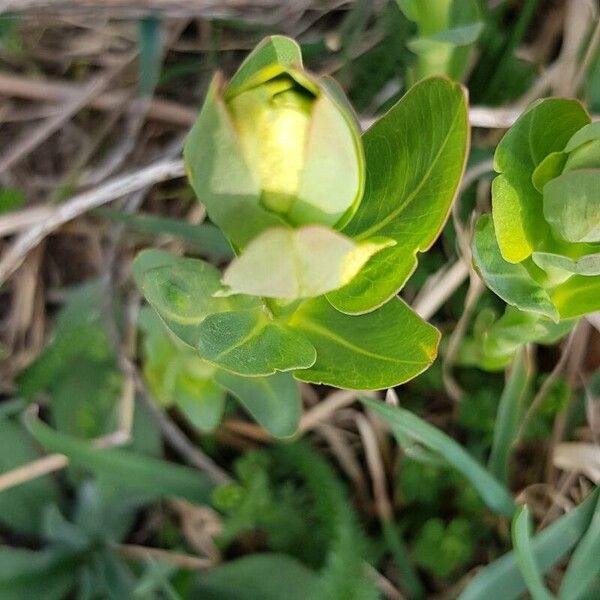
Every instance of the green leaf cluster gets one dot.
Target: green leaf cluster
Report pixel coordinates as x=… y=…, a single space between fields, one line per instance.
x=540 y=248
x=323 y=243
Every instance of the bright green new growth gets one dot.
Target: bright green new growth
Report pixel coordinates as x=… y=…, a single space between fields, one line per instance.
x=277 y=144
x=540 y=250
x=277 y=160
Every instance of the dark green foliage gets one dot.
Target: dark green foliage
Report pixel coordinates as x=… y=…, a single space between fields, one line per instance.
x=442 y=549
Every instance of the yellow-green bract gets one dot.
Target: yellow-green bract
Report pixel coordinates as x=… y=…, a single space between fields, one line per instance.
x=275 y=146
x=540 y=250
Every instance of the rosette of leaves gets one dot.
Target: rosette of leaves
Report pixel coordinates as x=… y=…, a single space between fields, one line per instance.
x=540 y=248
x=326 y=225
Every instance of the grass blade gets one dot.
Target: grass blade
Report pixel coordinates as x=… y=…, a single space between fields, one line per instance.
x=130 y=470
x=404 y=423
x=204 y=237
x=150 y=44
x=521 y=536
x=410 y=579
x=509 y=415
x=502 y=580
x=585 y=562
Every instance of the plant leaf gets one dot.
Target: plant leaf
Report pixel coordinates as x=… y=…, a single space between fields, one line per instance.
x=588 y=264
x=205 y=238
x=406 y=424
x=572 y=205
x=258 y=577
x=298 y=263
x=181 y=290
x=512 y=282
x=415 y=156
x=250 y=343
x=201 y=402
x=584 y=565
x=22 y=506
x=131 y=470
x=578 y=296
x=521 y=536
x=502 y=579
x=510 y=412
x=48 y=574
x=273 y=401
x=373 y=351
x=516 y=204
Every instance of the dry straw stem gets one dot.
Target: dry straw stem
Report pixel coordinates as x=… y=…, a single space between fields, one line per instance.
x=579 y=457
x=117 y=187
x=183 y=561
x=52 y=90
x=376 y=468
x=550 y=380
x=206 y=9
x=322 y=411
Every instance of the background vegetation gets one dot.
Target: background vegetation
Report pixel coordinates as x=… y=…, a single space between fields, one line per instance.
x=110 y=487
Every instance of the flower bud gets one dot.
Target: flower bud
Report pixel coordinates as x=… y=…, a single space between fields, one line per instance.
x=275 y=146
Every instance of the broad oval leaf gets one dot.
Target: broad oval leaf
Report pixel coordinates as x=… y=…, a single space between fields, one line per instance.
x=512 y=282
x=516 y=203
x=273 y=401
x=181 y=291
x=415 y=157
x=383 y=348
x=298 y=263
x=252 y=344
x=200 y=399
x=572 y=205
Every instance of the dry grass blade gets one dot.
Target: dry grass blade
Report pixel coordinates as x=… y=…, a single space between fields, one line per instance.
x=579 y=457
x=115 y=188
x=59 y=91
x=322 y=411
x=183 y=561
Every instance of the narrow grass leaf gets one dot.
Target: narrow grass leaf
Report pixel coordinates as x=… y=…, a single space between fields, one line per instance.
x=508 y=417
x=502 y=579
x=205 y=238
x=404 y=423
x=584 y=566
x=131 y=470
x=521 y=536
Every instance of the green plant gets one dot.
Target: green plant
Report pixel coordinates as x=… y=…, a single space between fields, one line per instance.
x=322 y=247
x=447 y=30
x=539 y=250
